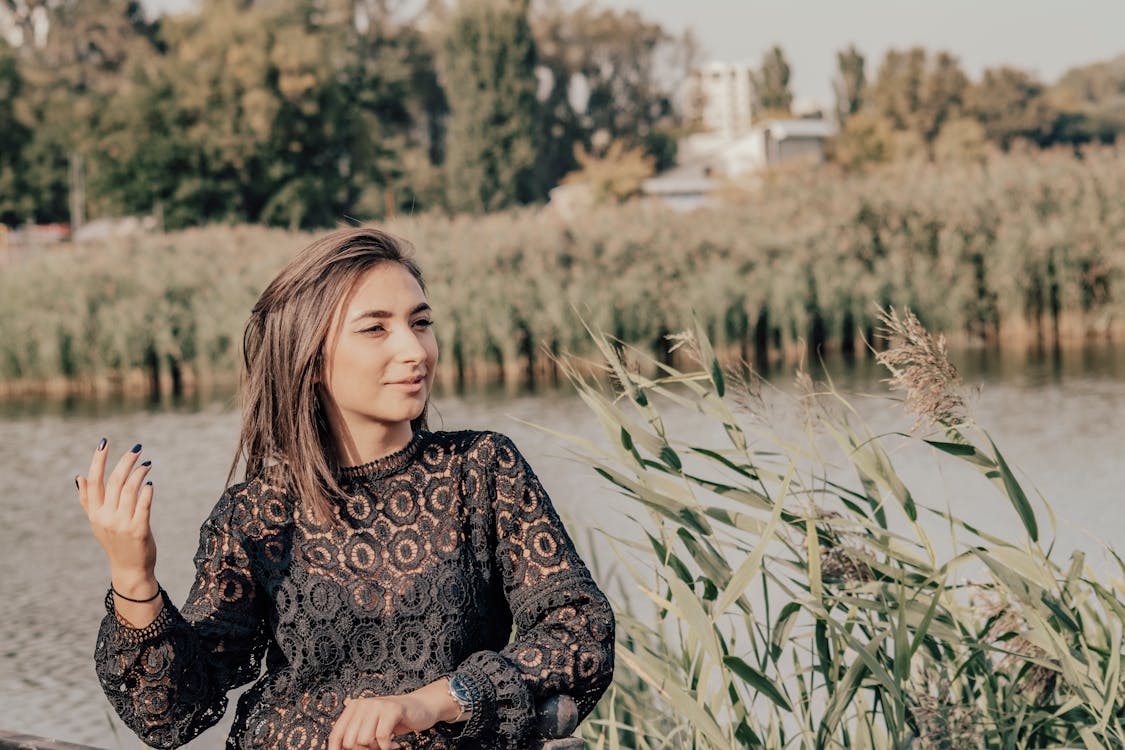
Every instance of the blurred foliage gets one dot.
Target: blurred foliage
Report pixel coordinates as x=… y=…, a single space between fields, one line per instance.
x=936 y=112
x=493 y=144
x=961 y=139
x=850 y=84
x=300 y=112
x=919 y=94
x=14 y=136
x=616 y=176
x=611 y=75
x=1011 y=104
x=1027 y=248
x=772 y=93
x=866 y=139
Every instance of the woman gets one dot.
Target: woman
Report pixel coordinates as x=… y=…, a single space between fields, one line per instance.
x=374 y=567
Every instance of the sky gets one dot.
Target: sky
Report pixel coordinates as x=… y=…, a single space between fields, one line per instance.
x=1046 y=37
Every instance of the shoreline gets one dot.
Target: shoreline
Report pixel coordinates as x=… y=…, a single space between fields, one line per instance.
x=542 y=374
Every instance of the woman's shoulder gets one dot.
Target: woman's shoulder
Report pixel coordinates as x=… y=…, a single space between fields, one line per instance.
x=250 y=505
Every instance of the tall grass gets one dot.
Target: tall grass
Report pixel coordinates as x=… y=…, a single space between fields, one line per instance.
x=1024 y=249
x=795 y=593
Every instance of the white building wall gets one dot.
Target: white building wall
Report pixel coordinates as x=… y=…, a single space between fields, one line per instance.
x=725 y=98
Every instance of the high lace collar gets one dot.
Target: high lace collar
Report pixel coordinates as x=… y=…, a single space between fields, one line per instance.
x=388 y=464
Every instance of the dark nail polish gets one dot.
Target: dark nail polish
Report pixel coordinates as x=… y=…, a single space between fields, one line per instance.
x=148 y=483
x=147 y=463
x=137 y=448
x=76 y=483
x=101 y=445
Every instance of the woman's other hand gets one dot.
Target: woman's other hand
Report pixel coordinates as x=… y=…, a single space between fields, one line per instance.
x=118 y=509
x=371 y=723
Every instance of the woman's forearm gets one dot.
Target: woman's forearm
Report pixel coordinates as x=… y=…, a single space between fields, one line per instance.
x=437 y=695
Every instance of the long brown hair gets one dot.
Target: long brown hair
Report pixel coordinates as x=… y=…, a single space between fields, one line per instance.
x=285 y=429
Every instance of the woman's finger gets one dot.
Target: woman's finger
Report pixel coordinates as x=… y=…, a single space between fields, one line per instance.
x=336 y=736
x=350 y=739
x=365 y=730
x=120 y=473
x=144 y=505
x=79 y=483
x=384 y=726
x=127 y=505
x=95 y=489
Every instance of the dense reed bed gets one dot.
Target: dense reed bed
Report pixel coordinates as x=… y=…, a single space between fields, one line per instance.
x=1022 y=250
x=790 y=591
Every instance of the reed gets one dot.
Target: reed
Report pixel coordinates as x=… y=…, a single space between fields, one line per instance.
x=792 y=591
x=1022 y=250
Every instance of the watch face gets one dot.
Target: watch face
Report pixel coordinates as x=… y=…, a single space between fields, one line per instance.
x=462 y=694
x=460 y=690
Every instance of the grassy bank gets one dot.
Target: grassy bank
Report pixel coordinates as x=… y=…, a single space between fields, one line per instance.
x=1024 y=250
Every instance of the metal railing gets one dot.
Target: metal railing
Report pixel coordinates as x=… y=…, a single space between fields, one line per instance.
x=17 y=741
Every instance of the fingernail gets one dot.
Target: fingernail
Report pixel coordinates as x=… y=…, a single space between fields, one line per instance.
x=148 y=483
x=147 y=463
x=101 y=445
x=137 y=448
x=76 y=482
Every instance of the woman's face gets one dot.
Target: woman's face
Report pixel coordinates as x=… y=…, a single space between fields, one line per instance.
x=381 y=355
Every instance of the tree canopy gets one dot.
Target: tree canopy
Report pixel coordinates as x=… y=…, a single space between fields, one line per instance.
x=307 y=112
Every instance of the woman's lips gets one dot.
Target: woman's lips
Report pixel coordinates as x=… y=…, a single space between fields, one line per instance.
x=409 y=386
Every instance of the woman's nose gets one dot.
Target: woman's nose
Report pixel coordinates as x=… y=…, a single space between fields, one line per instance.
x=410 y=349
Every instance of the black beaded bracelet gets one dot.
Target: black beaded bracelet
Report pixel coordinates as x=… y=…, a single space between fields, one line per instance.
x=136 y=601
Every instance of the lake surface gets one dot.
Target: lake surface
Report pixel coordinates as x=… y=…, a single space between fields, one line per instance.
x=1059 y=419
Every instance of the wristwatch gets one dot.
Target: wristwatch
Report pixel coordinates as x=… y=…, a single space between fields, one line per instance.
x=465 y=697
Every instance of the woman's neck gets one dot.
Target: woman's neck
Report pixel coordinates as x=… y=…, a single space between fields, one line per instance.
x=362 y=444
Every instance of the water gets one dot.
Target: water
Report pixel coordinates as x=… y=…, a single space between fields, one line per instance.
x=1060 y=418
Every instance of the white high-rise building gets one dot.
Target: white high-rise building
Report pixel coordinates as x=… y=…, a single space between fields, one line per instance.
x=722 y=98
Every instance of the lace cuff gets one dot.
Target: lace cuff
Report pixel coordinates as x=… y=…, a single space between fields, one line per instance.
x=131 y=637
x=569 y=586
x=506 y=707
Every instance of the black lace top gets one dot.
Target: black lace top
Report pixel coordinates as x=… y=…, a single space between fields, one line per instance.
x=442 y=546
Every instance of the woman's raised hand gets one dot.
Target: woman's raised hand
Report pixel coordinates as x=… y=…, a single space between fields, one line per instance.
x=118 y=509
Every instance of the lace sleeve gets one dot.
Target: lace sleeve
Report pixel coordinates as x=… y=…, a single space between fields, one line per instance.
x=168 y=681
x=565 y=627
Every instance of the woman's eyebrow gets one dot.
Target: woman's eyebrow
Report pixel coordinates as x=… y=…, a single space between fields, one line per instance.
x=421 y=307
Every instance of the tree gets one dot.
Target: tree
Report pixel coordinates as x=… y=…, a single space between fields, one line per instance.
x=865 y=139
x=961 y=140
x=1091 y=102
x=897 y=92
x=1095 y=84
x=943 y=96
x=1011 y=104
x=84 y=52
x=850 y=84
x=617 y=176
x=493 y=139
x=610 y=75
x=14 y=137
x=920 y=95
x=289 y=113
x=771 y=82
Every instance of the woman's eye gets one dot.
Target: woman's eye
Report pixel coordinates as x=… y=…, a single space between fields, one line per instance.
x=424 y=323
x=372 y=329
